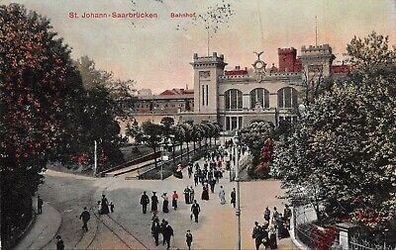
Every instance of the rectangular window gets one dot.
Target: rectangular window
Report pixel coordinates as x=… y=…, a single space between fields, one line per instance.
x=287 y=97
x=240 y=122
x=207 y=95
x=234 y=123
x=203 y=95
x=228 y=127
x=280 y=98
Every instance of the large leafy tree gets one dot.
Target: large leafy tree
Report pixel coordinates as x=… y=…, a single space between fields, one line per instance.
x=37 y=83
x=347 y=138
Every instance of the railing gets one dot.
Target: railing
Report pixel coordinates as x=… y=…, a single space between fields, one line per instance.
x=356 y=244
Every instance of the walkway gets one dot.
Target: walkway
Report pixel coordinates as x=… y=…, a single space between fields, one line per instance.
x=43 y=230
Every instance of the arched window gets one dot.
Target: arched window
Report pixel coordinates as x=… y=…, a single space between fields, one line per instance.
x=260 y=97
x=287 y=98
x=233 y=99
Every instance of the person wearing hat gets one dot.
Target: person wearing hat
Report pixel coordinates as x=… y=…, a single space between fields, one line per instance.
x=195 y=210
x=105 y=205
x=165 y=203
x=189 y=239
x=168 y=233
x=175 y=197
x=144 y=201
x=85 y=216
x=59 y=243
x=154 y=203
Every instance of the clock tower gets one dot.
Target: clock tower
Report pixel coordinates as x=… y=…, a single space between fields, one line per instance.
x=207 y=70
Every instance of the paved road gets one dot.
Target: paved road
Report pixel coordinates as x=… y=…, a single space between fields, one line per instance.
x=128 y=228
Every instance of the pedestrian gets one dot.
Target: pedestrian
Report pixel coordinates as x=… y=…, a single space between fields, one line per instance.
x=275 y=217
x=196 y=177
x=175 y=197
x=112 y=207
x=267 y=214
x=272 y=237
x=187 y=195
x=155 y=230
x=144 y=201
x=205 y=193
x=59 y=243
x=168 y=233
x=39 y=205
x=287 y=214
x=154 y=203
x=195 y=210
x=222 y=196
x=233 y=197
x=104 y=205
x=191 y=195
x=99 y=206
x=85 y=216
x=255 y=235
x=189 y=239
x=162 y=230
x=165 y=203
x=212 y=184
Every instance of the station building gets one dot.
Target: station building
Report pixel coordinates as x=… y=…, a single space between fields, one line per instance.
x=234 y=98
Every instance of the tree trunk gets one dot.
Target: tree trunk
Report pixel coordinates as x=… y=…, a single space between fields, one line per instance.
x=194 y=146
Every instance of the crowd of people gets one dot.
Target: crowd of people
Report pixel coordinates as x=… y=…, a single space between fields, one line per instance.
x=207 y=175
x=274 y=228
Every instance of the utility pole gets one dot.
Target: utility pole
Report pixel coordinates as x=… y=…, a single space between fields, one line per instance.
x=95 y=158
x=238 y=193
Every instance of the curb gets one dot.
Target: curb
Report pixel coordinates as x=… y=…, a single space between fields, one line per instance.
x=42 y=235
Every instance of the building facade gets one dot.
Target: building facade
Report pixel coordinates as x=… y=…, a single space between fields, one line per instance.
x=235 y=98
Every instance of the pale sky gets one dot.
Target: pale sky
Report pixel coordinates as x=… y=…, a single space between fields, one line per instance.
x=157 y=56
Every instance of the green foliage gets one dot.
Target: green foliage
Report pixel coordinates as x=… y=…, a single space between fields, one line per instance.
x=255 y=136
x=342 y=153
x=37 y=83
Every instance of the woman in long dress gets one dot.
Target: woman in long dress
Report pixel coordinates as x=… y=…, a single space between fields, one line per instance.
x=222 y=196
x=165 y=203
x=104 y=205
x=205 y=193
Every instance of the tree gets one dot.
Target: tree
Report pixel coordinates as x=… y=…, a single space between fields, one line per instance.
x=179 y=133
x=197 y=134
x=167 y=122
x=188 y=136
x=152 y=136
x=342 y=155
x=255 y=136
x=37 y=83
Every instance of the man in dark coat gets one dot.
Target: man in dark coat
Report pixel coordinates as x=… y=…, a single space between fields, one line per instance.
x=168 y=233
x=154 y=203
x=233 y=197
x=187 y=195
x=195 y=210
x=144 y=201
x=85 y=216
x=104 y=205
x=257 y=235
x=189 y=239
x=155 y=230
x=59 y=243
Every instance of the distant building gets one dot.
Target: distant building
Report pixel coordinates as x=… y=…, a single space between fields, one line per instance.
x=234 y=98
x=145 y=92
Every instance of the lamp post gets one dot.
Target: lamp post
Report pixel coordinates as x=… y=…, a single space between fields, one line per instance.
x=238 y=191
x=95 y=158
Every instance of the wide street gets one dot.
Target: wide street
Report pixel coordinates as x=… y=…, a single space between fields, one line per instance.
x=128 y=228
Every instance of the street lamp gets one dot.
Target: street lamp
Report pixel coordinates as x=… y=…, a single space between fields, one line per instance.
x=238 y=191
x=95 y=158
